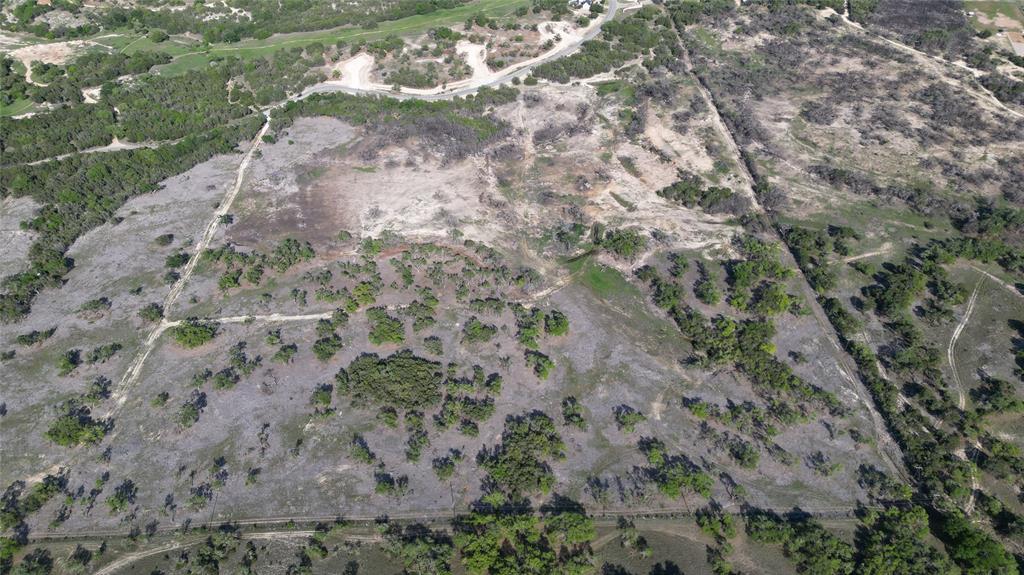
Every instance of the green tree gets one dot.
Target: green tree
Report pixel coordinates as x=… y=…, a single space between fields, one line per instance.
x=193 y=333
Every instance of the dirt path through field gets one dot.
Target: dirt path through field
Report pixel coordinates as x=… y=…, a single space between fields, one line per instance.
x=951 y=355
x=888 y=449
x=984 y=93
x=120 y=395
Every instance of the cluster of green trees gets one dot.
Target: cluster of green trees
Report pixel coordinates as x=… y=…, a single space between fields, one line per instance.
x=271 y=79
x=625 y=243
x=75 y=426
x=384 y=328
x=16 y=505
x=467 y=410
x=533 y=323
x=898 y=286
x=26 y=19
x=64 y=84
x=251 y=266
x=151 y=108
x=811 y=249
x=760 y=423
x=747 y=345
x=13 y=86
x=218 y=24
x=706 y=286
x=895 y=539
x=34 y=337
x=539 y=362
x=61 y=131
x=518 y=541
x=519 y=464
x=687 y=12
x=193 y=332
x=985 y=250
x=420 y=550
x=476 y=331
x=812 y=548
x=81 y=192
x=673 y=473
x=646 y=33
x=690 y=191
x=401 y=380
x=572 y=413
x=754 y=278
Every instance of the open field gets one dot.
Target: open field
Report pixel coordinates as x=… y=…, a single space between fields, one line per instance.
x=732 y=289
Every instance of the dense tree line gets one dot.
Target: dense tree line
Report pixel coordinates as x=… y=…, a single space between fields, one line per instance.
x=467 y=113
x=515 y=540
x=81 y=192
x=64 y=130
x=267 y=18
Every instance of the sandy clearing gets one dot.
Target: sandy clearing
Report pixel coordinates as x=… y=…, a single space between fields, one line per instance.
x=476 y=58
x=52 y=53
x=355 y=72
x=91 y=95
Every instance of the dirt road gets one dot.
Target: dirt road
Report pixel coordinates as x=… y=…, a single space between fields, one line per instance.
x=889 y=450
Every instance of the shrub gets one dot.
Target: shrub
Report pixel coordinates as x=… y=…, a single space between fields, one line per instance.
x=519 y=464
x=556 y=323
x=152 y=312
x=625 y=244
x=476 y=331
x=626 y=418
x=193 y=333
x=540 y=363
x=325 y=347
x=572 y=413
x=76 y=426
x=384 y=328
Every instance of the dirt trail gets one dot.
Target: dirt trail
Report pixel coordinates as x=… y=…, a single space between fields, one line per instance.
x=1013 y=290
x=135 y=368
x=951 y=356
x=888 y=450
x=114 y=146
x=984 y=93
x=355 y=71
x=130 y=558
x=884 y=249
x=961 y=396
x=126 y=560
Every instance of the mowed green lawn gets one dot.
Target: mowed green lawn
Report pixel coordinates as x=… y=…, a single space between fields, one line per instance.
x=16 y=107
x=404 y=27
